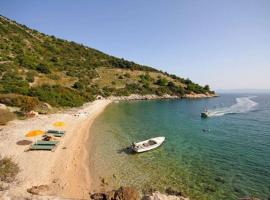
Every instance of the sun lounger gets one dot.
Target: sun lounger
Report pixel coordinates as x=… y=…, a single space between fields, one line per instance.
x=41 y=142
x=55 y=134
x=56 y=131
x=42 y=147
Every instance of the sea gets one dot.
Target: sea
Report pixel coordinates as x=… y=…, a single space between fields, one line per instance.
x=225 y=156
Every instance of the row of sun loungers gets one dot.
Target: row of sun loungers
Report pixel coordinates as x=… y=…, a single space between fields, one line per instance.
x=47 y=145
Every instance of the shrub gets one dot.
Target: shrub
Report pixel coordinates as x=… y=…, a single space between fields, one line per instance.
x=57 y=95
x=5 y=117
x=26 y=103
x=78 y=85
x=53 y=77
x=30 y=76
x=8 y=169
x=162 y=82
x=43 y=69
x=29 y=103
x=127 y=75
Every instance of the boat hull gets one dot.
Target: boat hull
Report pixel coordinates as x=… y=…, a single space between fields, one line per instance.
x=159 y=141
x=204 y=115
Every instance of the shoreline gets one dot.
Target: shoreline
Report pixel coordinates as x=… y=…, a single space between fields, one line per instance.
x=67 y=172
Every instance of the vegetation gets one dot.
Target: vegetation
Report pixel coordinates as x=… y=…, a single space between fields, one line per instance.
x=5 y=116
x=37 y=67
x=8 y=169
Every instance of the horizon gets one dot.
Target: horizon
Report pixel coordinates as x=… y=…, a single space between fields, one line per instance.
x=223 y=44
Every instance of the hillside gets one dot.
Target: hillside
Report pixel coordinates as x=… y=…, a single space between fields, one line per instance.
x=35 y=68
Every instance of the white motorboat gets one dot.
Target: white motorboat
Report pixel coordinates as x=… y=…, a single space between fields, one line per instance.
x=205 y=114
x=147 y=145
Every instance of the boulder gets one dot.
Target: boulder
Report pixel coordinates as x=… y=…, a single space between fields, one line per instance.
x=3 y=106
x=38 y=190
x=123 y=193
x=159 y=196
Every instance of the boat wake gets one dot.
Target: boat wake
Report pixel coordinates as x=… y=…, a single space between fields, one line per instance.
x=243 y=105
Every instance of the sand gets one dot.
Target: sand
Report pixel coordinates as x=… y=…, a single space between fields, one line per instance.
x=66 y=170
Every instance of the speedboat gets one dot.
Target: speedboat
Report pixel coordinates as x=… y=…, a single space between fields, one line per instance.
x=147 y=145
x=205 y=114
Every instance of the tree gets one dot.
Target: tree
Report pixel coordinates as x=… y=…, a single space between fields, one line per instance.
x=206 y=87
x=162 y=82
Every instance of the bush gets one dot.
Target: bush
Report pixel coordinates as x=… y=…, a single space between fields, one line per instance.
x=127 y=75
x=29 y=103
x=26 y=103
x=8 y=169
x=53 y=77
x=5 y=117
x=30 y=76
x=13 y=83
x=162 y=82
x=43 y=69
x=78 y=85
x=57 y=95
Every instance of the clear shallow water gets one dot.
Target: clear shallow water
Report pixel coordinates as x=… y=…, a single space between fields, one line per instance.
x=231 y=160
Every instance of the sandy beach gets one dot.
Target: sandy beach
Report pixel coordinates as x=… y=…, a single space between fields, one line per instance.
x=64 y=171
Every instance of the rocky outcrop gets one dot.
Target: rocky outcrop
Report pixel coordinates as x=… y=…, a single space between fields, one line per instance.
x=38 y=190
x=199 y=96
x=123 y=193
x=130 y=193
x=142 y=97
x=154 y=96
x=160 y=196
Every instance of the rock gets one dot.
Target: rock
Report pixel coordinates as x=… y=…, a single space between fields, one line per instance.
x=142 y=97
x=210 y=189
x=99 y=97
x=123 y=193
x=3 y=106
x=220 y=180
x=44 y=108
x=198 y=96
x=171 y=191
x=98 y=196
x=3 y=186
x=128 y=193
x=37 y=190
x=159 y=196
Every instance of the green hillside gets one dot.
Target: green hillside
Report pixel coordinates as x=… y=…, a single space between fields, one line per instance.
x=35 y=67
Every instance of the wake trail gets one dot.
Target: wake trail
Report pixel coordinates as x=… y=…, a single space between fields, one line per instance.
x=243 y=105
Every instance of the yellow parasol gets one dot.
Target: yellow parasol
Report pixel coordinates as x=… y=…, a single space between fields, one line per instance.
x=59 y=124
x=34 y=133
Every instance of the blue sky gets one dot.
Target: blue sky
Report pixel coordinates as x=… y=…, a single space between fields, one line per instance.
x=224 y=43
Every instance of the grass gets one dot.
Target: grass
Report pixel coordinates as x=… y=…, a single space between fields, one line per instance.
x=8 y=169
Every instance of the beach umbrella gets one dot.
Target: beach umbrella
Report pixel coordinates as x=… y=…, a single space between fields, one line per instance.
x=59 y=124
x=34 y=133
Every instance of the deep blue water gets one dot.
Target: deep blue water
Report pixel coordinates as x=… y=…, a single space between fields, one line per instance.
x=226 y=156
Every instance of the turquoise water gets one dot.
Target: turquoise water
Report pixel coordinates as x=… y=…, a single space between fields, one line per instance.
x=224 y=157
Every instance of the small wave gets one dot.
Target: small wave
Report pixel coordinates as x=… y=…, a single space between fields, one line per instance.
x=243 y=105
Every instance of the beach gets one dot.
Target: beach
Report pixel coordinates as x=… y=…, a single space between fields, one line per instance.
x=64 y=171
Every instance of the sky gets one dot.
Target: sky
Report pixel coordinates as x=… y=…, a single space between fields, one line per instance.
x=223 y=43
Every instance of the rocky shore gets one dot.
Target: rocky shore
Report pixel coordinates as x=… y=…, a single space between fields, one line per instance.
x=130 y=193
x=153 y=96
